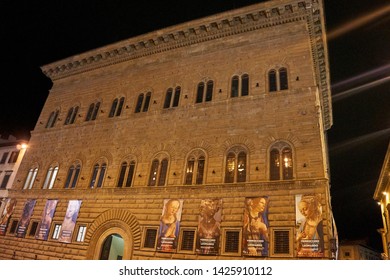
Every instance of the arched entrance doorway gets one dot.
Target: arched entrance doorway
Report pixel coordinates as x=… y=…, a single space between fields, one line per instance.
x=113 y=235
x=112 y=248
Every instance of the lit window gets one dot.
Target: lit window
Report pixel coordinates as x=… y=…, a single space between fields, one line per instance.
x=236 y=162
x=195 y=166
x=50 y=177
x=158 y=172
x=32 y=174
x=281 y=163
x=81 y=233
x=56 y=231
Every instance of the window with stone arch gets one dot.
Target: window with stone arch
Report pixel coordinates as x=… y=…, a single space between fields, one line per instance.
x=31 y=177
x=172 y=98
x=236 y=165
x=52 y=118
x=143 y=102
x=116 y=107
x=159 y=171
x=205 y=92
x=73 y=175
x=277 y=79
x=98 y=174
x=93 y=111
x=195 y=168
x=281 y=161
x=71 y=116
x=239 y=85
x=126 y=173
x=51 y=176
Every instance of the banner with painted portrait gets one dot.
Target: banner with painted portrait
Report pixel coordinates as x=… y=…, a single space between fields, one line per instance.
x=310 y=233
x=47 y=216
x=9 y=206
x=209 y=226
x=255 y=230
x=69 y=222
x=169 y=225
x=25 y=219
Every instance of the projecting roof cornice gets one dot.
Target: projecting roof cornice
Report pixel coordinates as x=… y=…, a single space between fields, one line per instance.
x=254 y=17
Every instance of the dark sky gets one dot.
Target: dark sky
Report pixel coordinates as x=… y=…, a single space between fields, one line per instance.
x=33 y=35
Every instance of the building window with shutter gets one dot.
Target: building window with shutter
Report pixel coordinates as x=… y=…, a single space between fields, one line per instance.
x=187 y=239
x=149 y=238
x=281 y=242
x=126 y=174
x=73 y=176
x=158 y=171
x=281 y=162
x=98 y=175
x=194 y=173
x=236 y=165
x=231 y=241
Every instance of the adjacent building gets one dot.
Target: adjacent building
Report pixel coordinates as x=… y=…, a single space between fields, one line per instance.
x=204 y=140
x=382 y=196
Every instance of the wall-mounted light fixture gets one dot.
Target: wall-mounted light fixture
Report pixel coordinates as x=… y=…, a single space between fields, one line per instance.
x=139 y=175
x=174 y=173
x=213 y=171
x=220 y=91
x=257 y=85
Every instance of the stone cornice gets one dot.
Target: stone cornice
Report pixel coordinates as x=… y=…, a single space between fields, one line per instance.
x=254 y=17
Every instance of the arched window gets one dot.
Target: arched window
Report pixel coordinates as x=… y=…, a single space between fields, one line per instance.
x=31 y=176
x=236 y=166
x=143 y=102
x=281 y=162
x=126 y=174
x=92 y=111
x=194 y=173
x=158 y=172
x=172 y=102
x=73 y=176
x=98 y=174
x=205 y=92
x=71 y=117
x=240 y=86
x=116 y=109
x=52 y=119
x=50 y=177
x=277 y=79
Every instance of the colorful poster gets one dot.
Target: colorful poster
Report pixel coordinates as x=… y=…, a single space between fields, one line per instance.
x=209 y=231
x=255 y=230
x=69 y=222
x=169 y=225
x=6 y=214
x=310 y=234
x=47 y=216
x=25 y=219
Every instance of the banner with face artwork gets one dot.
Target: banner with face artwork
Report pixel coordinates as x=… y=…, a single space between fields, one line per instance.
x=47 y=216
x=310 y=233
x=169 y=225
x=69 y=222
x=25 y=219
x=209 y=226
x=255 y=230
x=6 y=214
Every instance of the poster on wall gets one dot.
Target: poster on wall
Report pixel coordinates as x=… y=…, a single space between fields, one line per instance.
x=69 y=222
x=47 y=216
x=255 y=230
x=169 y=225
x=25 y=218
x=6 y=214
x=310 y=234
x=209 y=226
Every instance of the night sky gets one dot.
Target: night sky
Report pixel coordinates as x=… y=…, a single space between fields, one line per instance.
x=33 y=35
